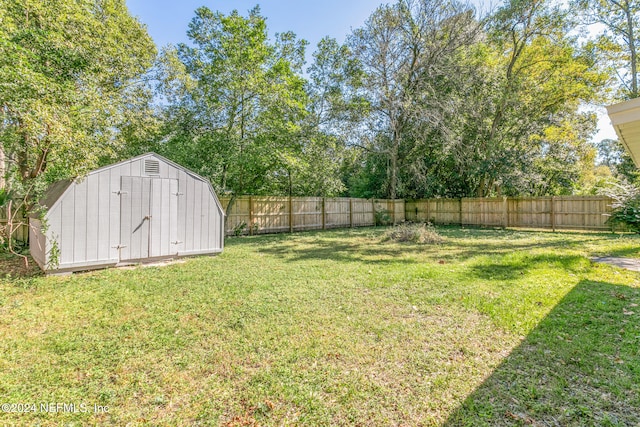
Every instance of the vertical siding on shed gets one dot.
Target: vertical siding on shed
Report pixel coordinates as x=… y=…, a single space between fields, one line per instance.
x=197 y=215
x=164 y=224
x=67 y=212
x=114 y=211
x=182 y=211
x=190 y=203
x=93 y=226
x=86 y=221
x=204 y=216
x=163 y=216
x=145 y=204
x=80 y=222
x=211 y=222
x=104 y=221
x=38 y=244
x=155 y=222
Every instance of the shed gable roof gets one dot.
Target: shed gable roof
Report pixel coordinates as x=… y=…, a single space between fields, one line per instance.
x=56 y=191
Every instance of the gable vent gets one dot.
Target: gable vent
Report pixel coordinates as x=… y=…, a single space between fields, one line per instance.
x=151 y=167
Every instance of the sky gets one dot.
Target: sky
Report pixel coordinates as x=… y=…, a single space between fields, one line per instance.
x=167 y=22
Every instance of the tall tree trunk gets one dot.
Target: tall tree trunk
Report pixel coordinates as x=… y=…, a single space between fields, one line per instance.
x=3 y=169
x=632 y=51
x=227 y=211
x=393 y=185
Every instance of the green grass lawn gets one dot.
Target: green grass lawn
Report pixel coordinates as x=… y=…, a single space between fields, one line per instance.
x=335 y=328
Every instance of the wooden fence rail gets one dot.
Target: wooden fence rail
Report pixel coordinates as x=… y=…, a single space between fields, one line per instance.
x=555 y=213
x=262 y=214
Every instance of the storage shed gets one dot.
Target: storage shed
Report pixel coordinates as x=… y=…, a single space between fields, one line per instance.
x=141 y=209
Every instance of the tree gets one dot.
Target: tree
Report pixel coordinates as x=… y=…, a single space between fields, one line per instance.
x=620 y=37
x=463 y=108
x=336 y=107
x=612 y=154
x=537 y=81
x=516 y=96
x=404 y=49
x=68 y=73
x=238 y=111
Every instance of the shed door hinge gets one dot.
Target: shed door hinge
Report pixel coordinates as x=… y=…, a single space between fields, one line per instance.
x=177 y=242
x=177 y=194
x=120 y=193
x=119 y=246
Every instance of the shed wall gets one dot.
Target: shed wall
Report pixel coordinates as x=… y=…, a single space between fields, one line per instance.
x=37 y=242
x=85 y=221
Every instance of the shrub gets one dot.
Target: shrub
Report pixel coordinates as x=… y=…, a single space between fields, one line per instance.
x=626 y=208
x=414 y=233
x=242 y=227
x=383 y=217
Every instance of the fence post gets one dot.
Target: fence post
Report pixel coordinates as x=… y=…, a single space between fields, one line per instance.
x=428 y=215
x=505 y=212
x=250 y=215
x=350 y=212
x=460 y=210
x=373 y=210
x=393 y=210
x=553 y=213
x=290 y=214
x=324 y=221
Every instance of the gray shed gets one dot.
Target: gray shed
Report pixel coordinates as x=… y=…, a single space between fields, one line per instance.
x=141 y=209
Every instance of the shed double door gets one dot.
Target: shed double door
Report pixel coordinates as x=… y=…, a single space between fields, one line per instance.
x=148 y=217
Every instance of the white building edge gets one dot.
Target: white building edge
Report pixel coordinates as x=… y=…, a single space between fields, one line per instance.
x=625 y=118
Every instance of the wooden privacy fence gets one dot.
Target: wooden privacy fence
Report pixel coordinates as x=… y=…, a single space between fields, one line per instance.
x=556 y=213
x=21 y=232
x=260 y=214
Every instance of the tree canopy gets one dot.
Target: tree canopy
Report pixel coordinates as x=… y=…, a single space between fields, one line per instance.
x=68 y=73
x=426 y=99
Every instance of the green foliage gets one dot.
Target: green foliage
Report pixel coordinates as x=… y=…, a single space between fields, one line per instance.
x=491 y=108
x=405 y=51
x=70 y=79
x=242 y=227
x=4 y=197
x=617 y=23
x=67 y=69
x=612 y=154
x=382 y=217
x=626 y=207
x=239 y=109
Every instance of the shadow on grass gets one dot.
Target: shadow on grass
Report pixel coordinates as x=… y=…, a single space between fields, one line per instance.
x=321 y=249
x=466 y=251
x=345 y=245
x=579 y=367
x=13 y=266
x=630 y=252
x=460 y=244
x=514 y=268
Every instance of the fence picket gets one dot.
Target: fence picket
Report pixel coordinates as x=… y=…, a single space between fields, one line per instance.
x=268 y=214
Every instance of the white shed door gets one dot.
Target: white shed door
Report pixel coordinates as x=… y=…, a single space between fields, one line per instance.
x=148 y=217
